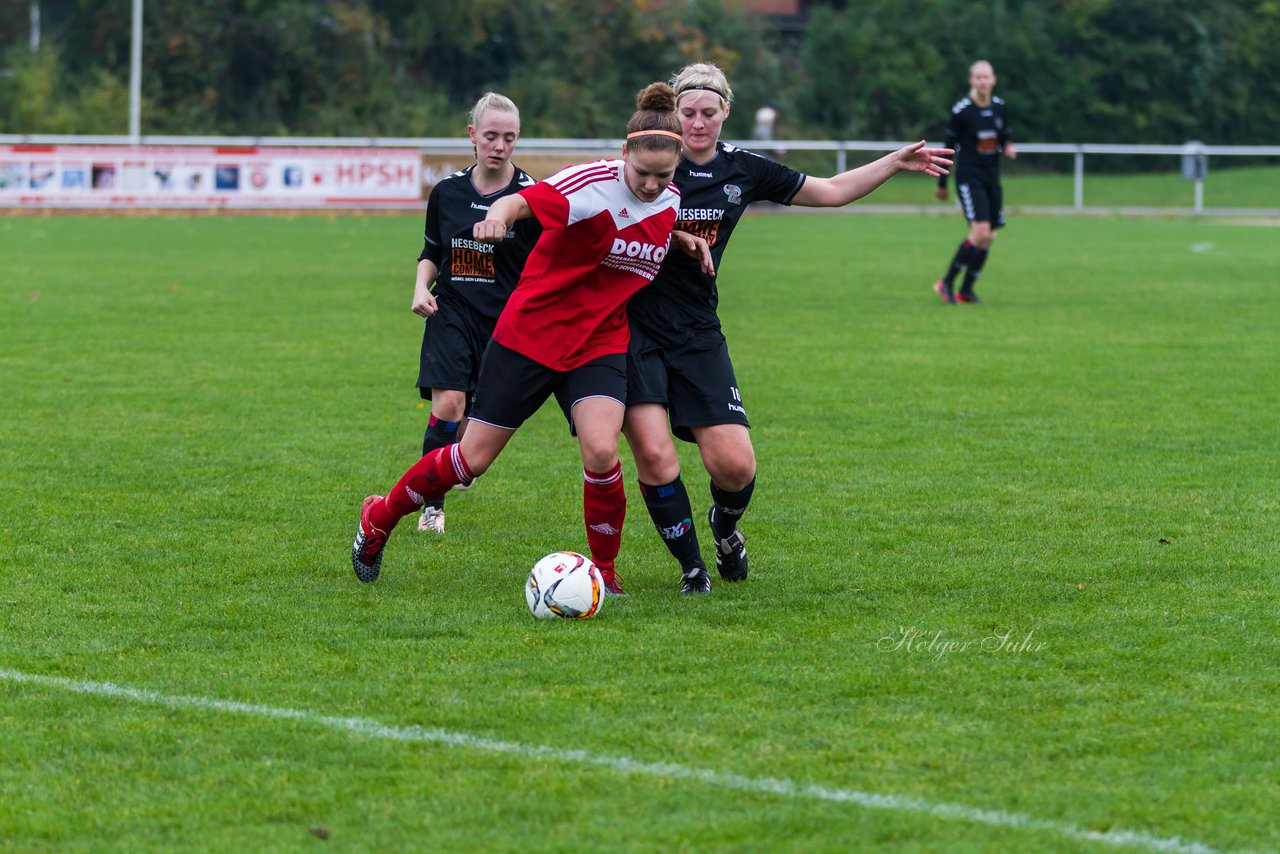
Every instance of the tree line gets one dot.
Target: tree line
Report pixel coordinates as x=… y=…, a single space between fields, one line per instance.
x=1133 y=71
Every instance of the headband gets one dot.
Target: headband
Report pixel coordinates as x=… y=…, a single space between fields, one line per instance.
x=656 y=133
x=702 y=88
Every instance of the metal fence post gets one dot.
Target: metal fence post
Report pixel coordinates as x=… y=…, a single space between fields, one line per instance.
x=1079 y=179
x=1195 y=166
x=135 y=75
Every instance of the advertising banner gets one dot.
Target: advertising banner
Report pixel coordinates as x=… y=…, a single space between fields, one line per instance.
x=90 y=176
x=436 y=167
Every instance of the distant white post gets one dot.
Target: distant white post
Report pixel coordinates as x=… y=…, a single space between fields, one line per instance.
x=34 y=9
x=1195 y=165
x=1079 y=179
x=135 y=75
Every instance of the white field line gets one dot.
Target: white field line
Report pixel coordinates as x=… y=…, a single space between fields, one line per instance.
x=774 y=786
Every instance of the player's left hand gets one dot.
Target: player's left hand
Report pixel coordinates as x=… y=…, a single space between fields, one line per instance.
x=696 y=247
x=1010 y=152
x=489 y=231
x=930 y=161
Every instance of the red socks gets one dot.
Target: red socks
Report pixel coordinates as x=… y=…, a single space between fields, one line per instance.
x=427 y=480
x=604 y=505
x=604 y=502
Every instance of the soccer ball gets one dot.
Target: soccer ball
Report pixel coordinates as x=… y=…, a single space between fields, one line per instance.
x=564 y=584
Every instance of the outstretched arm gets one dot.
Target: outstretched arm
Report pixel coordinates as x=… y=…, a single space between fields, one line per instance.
x=502 y=215
x=854 y=184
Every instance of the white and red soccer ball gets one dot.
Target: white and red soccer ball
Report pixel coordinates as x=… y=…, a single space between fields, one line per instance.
x=565 y=585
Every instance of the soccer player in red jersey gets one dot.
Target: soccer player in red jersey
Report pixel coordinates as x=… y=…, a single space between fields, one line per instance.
x=606 y=228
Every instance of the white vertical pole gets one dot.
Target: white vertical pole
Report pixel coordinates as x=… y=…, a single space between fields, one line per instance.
x=1200 y=195
x=135 y=75
x=841 y=162
x=35 y=25
x=1079 y=181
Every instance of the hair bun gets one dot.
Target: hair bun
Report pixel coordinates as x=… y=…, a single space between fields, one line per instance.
x=657 y=97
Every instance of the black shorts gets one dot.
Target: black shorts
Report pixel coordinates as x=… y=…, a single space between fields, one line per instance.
x=512 y=386
x=981 y=198
x=693 y=380
x=453 y=340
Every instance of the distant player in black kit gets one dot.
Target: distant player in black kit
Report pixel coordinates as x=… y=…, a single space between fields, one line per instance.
x=980 y=132
x=680 y=377
x=472 y=279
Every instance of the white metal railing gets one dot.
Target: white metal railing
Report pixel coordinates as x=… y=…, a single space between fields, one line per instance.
x=1077 y=150
x=460 y=145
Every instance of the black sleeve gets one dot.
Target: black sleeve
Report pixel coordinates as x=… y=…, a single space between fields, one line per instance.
x=432 y=243
x=1006 y=132
x=774 y=182
x=954 y=130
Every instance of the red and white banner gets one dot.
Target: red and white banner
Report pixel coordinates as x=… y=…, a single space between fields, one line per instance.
x=198 y=177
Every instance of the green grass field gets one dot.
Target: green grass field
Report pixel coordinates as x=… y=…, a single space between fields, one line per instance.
x=1013 y=580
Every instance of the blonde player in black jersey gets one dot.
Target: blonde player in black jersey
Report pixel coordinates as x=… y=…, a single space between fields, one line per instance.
x=680 y=378
x=980 y=132
x=471 y=280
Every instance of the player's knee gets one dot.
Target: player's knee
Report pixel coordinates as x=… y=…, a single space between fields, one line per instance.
x=734 y=471
x=599 y=456
x=656 y=459
x=448 y=405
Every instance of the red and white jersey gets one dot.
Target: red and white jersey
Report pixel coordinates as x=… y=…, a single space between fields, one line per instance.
x=600 y=244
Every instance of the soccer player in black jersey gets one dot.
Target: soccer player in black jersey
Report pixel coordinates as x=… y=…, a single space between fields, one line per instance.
x=679 y=375
x=472 y=279
x=980 y=132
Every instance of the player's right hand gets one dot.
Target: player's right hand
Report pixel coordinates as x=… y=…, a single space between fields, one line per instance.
x=424 y=302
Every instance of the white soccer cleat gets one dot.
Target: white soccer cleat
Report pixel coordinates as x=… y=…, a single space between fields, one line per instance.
x=432 y=519
x=731 y=552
